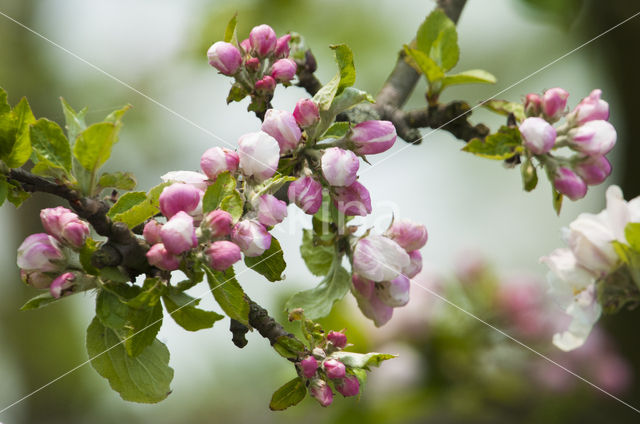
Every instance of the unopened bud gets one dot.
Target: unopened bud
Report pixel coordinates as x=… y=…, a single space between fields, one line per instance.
x=222 y=254
x=309 y=365
x=569 y=184
x=225 y=57
x=306 y=113
x=263 y=40
x=334 y=368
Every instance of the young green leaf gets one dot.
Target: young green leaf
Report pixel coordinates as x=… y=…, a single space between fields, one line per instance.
x=425 y=64
x=4 y=104
x=50 y=145
x=288 y=395
x=17 y=195
x=325 y=95
x=136 y=207
x=118 y=180
x=234 y=204
x=228 y=294
x=504 y=107
x=144 y=318
x=74 y=121
x=289 y=347
x=632 y=234
x=318 y=302
x=21 y=150
x=182 y=309
x=362 y=360
x=499 y=146
x=224 y=185
x=230 y=31
x=347 y=99
x=445 y=51
x=126 y=202
x=337 y=130
x=431 y=29
x=317 y=257
x=473 y=76
x=145 y=378
x=39 y=301
x=270 y=264
x=344 y=58
x=93 y=146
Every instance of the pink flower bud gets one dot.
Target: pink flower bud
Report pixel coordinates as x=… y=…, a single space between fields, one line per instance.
x=394 y=293
x=194 y=179
x=554 y=102
x=252 y=64
x=593 y=169
x=569 y=184
x=348 y=386
x=40 y=252
x=266 y=85
x=225 y=57
x=353 y=200
x=282 y=126
x=271 y=211
x=306 y=113
x=218 y=160
x=61 y=283
x=409 y=235
x=369 y=303
x=252 y=237
x=259 y=155
x=337 y=338
x=282 y=46
x=373 y=137
x=306 y=193
x=532 y=104
x=538 y=135
x=322 y=392
x=180 y=197
x=309 y=365
x=151 y=232
x=159 y=256
x=334 y=368
x=222 y=254
x=415 y=264
x=65 y=226
x=284 y=70
x=593 y=137
x=246 y=45
x=178 y=234
x=263 y=40
x=340 y=167
x=36 y=279
x=217 y=223
x=379 y=258
x=591 y=108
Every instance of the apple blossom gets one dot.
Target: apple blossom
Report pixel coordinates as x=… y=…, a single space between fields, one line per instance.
x=178 y=234
x=568 y=183
x=262 y=39
x=225 y=57
x=339 y=167
x=409 y=235
x=65 y=226
x=217 y=223
x=593 y=137
x=283 y=70
x=222 y=254
x=252 y=237
x=353 y=200
x=282 y=126
x=306 y=193
x=378 y=258
x=180 y=197
x=554 y=102
x=40 y=252
x=271 y=211
x=348 y=386
x=160 y=257
x=217 y=160
x=306 y=113
x=259 y=155
x=591 y=108
x=538 y=135
x=371 y=137
x=334 y=368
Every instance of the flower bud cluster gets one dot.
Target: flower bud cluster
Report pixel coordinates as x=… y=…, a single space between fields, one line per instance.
x=44 y=258
x=324 y=370
x=383 y=266
x=590 y=257
x=586 y=132
x=258 y=63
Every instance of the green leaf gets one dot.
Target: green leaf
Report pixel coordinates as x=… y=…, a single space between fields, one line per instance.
x=473 y=76
x=115 y=117
x=93 y=145
x=325 y=95
x=230 y=31
x=111 y=310
x=118 y=180
x=21 y=150
x=529 y=175
x=224 y=185
x=182 y=309
x=126 y=202
x=144 y=319
x=234 y=204
x=228 y=294
x=39 y=301
x=74 y=121
x=114 y=274
x=337 y=130
x=502 y=145
x=4 y=190
x=504 y=107
x=361 y=360
x=289 y=347
x=557 y=200
x=136 y=207
x=632 y=234
x=237 y=93
x=347 y=99
x=17 y=195
x=4 y=105
x=317 y=302
x=288 y=395
x=50 y=145
x=425 y=64
x=270 y=264
x=438 y=39
x=344 y=58
x=145 y=378
x=317 y=257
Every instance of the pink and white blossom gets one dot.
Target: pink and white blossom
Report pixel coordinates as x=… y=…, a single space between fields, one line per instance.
x=225 y=57
x=409 y=235
x=178 y=234
x=40 y=252
x=180 y=197
x=378 y=258
x=371 y=137
x=282 y=126
x=306 y=193
x=252 y=237
x=222 y=254
x=271 y=211
x=353 y=200
x=217 y=160
x=65 y=226
x=259 y=155
x=340 y=167
x=538 y=135
x=159 y=256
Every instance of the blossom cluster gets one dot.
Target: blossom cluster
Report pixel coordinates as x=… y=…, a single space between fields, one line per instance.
x=322 y=370
x=590 y=257
x=46 y=260
x=258 y=63
x=586 y=131
x=383 y=266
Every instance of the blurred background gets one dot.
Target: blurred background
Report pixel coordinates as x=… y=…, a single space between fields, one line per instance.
x=486 y=234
